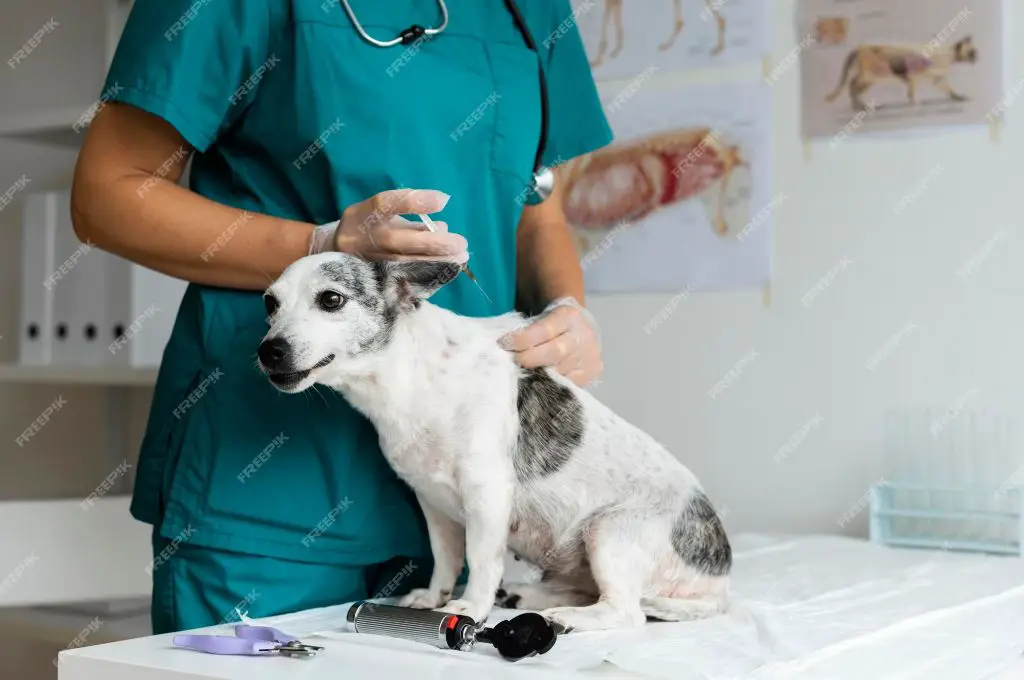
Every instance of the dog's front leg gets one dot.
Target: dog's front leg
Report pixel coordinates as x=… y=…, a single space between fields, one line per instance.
x=488 y=506
x=448 y=545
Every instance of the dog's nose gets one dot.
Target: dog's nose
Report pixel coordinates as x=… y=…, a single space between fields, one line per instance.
x=273 y=352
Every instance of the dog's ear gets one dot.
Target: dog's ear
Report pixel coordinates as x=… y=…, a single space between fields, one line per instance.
x=406 y=284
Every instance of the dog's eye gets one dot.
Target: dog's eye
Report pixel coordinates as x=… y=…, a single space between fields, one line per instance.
x=330 y=301
x=270 y=302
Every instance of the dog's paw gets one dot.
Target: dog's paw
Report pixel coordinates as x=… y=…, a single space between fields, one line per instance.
x=506 y=600
x=473 y=610
x=424 y=598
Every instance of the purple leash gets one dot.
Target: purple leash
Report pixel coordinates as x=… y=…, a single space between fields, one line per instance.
x=248 y=641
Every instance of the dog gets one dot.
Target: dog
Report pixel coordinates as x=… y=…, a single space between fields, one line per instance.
x=867 y=65
x=499 y=457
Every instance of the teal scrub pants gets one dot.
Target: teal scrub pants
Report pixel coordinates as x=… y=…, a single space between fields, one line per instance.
x=196 y=586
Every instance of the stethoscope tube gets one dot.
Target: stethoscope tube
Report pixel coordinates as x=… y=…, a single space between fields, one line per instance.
x=543 y=178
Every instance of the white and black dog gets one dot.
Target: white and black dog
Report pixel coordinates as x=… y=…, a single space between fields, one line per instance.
x=500 y=458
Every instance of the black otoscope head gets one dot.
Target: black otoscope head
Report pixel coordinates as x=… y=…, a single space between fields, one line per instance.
x=520 y=637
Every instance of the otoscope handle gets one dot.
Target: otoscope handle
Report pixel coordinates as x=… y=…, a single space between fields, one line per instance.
x=439 y=629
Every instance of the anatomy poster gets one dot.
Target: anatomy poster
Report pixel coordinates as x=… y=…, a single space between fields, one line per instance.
x=682 y=199
x=625 y=38
x=879 y=65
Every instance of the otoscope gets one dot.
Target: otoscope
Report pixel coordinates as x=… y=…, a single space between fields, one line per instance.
x=517 y=638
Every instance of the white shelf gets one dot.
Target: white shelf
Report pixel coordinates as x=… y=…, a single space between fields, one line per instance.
x=113 y=376
x=58 y=551
x=50 y=127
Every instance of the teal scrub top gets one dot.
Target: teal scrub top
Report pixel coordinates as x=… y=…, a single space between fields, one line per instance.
x=293 y=114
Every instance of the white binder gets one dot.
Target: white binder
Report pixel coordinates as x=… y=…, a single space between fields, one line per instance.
x=38 y=233
x=143 y=307
x=78 y=293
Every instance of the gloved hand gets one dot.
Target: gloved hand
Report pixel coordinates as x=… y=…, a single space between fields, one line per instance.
x=564 y=336
x=373 y=229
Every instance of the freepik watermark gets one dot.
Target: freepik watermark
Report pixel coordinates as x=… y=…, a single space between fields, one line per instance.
x=890 y=346
x=855 y=123
x=195 y=395
x=169 y=550
x=940 y=424
x=1006 y=102
x=474 y=117
x=787 y=449
x=33 y=42
x=85 y=120
x=262 y=457
x=922 y=185
x=968 y=267
x=712 y=8
x=857 y=507
x=190 y=14
x=19 y=570
x=325 y=524
x=790 y=60
x=318 y=144
x=391 y=586
x=226 y=236
x=80 y=639
x=12 y=191
x=161 y=172
x=761 y=217
x=631 y=89
x=732 y=375
x=41 y=421
x=602 y=247
x=133 y=329
x=696 y=153
x=68 y=265
x=667 y=311
x=241 y=609
x=106 y=485
x=252 y=81
x=943 y=36
x=407 y=55
x=566 y=25
x=824 y=282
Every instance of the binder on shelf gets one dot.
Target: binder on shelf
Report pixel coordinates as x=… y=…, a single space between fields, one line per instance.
x=38 y=233
x=143 y=306
x=79 y=297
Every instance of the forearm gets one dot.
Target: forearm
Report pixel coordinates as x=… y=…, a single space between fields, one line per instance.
x=175 y=231
x=548 y=263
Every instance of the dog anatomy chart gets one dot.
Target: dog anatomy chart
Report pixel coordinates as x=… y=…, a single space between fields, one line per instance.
x=879 y=65
x=682 y=200
x=626 y=37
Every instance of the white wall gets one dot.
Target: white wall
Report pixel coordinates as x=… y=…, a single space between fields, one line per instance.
x=811 y=360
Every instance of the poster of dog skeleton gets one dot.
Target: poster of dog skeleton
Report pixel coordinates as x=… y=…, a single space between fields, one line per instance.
x=682 y=199
x=626 y=37
x=879 y=65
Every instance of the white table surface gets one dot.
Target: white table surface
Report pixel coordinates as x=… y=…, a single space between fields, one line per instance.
x=807 y=608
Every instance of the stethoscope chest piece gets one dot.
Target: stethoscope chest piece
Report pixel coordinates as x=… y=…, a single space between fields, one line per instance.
x=544 y=183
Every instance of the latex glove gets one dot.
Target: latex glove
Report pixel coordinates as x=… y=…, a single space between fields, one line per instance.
x=374 y=229
x=565 y=336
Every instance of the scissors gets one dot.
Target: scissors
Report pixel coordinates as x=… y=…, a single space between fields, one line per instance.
x=248 y=641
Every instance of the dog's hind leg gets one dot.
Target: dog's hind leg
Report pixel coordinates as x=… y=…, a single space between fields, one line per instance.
x=621 y=567
x=683 y=609
x=543 y=595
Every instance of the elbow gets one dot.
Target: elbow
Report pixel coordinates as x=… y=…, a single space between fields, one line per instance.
x=84 y=196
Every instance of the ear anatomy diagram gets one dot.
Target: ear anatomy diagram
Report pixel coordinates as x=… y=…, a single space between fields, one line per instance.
x=626 y=182
x=613 y=19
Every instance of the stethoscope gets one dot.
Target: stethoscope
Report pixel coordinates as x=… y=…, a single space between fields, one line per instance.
x=543 y=178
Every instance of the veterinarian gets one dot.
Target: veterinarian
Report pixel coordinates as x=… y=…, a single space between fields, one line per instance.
x=298 y=114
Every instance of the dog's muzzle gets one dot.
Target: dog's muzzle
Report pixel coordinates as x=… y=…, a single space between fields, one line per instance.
x=275 y=358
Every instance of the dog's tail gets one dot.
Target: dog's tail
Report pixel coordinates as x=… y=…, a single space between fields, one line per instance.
x=683 y=609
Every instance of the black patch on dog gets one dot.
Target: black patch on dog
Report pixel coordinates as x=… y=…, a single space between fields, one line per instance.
x=512 y=601
x=354 y=280
x=550 y=425
x=699 y=539
x=899 y=67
